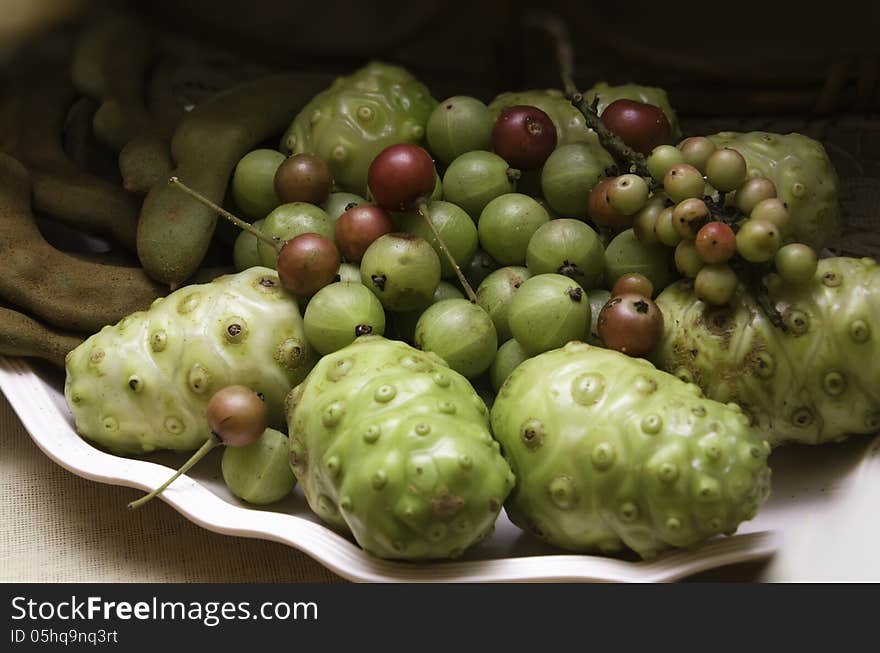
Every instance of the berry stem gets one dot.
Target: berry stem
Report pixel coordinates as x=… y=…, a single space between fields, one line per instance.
x=753 y=278
x=628 y=158
x=238 y=222
x=426 y=215
x=212 y=442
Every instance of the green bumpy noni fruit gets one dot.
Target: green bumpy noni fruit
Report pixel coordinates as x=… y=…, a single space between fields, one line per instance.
x=610 y=452
x=390 y=444
x=804 y=177
x=360 y=115
x=814 y=380
x=145 y=383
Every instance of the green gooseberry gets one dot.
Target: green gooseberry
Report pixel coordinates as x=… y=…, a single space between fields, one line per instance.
x=507 y=224
x=480 y=267
x=338 y=203
x=569 y=175
x=758 y=241
x=796 y=263
x=259 y=473
x=253 y=183
x=287 y=222
x=457 y=125
x=404 y=323
x=645 y=221
x=661 y=159
x=570 y=247
x=475 y=178
x=455 y=227
x=508 y=358
x=245 y=253
x=402 y=270
x=548 y=311
x=459 y=332
x=626 y=253
x=496 y=293
x=348 y=272
x=340 y=312
x=598 y=298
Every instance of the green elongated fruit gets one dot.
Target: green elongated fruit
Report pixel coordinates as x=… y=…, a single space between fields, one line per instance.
x=610 y=452
x=145 y=383
x=815 y=381
x=803 y=175
x=390 y=444
x=357 y=117
x=174 y=229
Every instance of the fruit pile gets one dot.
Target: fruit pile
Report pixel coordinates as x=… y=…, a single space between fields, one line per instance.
x=444 y=308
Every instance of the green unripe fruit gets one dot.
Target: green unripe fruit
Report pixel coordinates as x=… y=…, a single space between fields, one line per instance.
x=627 y=254
x=259 y=473
x=509 y=356
x=348 y=272
x=474 y=179
x=688 y=216
x=338 y=203
x=548 y=311
x=796 y=263
x=646 y=219
x=628 y=194
x=460 y=333
x=716 y=284
x=289 y=221
x=598 y=298
x=568 y=247
x=480 y=267
x=773 y=210
x=245 y=253
x=507 y=224
x=726 y=169
x=446 y=290
x=253 y=183
x=495 y=294
x=405 y=322
x=696 y=151
x=402 y=270
x=758 y=241
x=664 y=228
x=687 y=259
x=661 y=159
x=340 y=312
x=682 y=182
x=456 y=229
x=457 y=125
x=569 y=175
x=753 y=191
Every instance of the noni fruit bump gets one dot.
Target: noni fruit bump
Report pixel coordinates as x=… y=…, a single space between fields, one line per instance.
x=145 y=383
x=390 y=444
x=360 y=115
x=812 y=380
x=610 y=452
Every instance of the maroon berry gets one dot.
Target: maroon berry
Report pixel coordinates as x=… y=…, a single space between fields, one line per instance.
x=524 y=136
x=307 y=263
x=303 y=178
x=400 y=176
x=715 y=243
x=358 y=227
x=632 y=324
x=641 y=126
x=237 y=415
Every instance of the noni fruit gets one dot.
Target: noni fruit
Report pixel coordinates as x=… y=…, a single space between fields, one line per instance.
x=360 y=115
x=609 y=451
x=145 y=383
x=390 y=444
x=814 y=379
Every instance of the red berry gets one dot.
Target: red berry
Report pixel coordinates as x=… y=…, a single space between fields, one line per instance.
x=307 y=263
x=633 y=283
x=400 y=176
x=358 y=227
x=632 y=324
x=641 y=126
x=303 y=178
x=524 y=136
x=601 y=212
x=715 y=243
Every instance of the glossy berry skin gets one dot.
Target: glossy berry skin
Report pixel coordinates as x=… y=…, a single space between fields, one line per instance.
x=236 y=415
x=633 y=283
x=600 y=210
x=524 y=136
x=631 y=324
x=688 y=215
x=796 y=263
x=641 y=126
x=308 y=263
x=757 y=241
x=715 y=243
x=303 y=178
x=358 y=227
x=400 y=176
x=696 y=151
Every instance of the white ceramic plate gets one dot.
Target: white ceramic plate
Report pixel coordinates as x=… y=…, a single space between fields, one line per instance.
x=805 y=479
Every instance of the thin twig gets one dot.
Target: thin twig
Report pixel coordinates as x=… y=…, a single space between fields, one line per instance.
x=425 y=213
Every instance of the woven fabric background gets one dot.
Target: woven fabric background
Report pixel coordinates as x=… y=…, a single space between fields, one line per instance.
x=58 y=527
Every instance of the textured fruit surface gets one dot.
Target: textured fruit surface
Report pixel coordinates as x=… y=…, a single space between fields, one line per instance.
x=815 y=382
x=804 y=177
x=349 y=123
x=390 y=444
x=610 y=452
x=569 y=175
x=145 y=383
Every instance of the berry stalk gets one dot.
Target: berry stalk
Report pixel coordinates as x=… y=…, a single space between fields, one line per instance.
x=424 y=212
